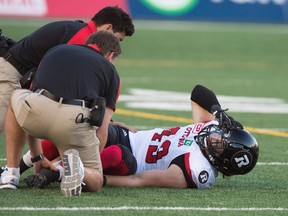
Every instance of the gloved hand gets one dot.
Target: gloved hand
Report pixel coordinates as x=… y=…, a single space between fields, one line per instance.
x=226 y=122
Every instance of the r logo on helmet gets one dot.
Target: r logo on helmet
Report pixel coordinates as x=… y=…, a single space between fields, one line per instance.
x=241 y=160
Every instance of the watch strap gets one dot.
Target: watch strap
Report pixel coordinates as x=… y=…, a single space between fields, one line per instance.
x=37 y=158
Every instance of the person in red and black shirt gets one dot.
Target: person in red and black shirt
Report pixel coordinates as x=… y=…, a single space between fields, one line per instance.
x=25 y=55
x=69 y=80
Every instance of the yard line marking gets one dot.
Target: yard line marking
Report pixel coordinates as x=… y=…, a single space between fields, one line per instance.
x=272 y=163
x=139 y=208
x=190 y=121
x=154 y=99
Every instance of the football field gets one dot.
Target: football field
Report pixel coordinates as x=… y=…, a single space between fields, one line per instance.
x=246 y=65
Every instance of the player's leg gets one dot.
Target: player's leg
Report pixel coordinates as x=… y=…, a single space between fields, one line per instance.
x=118 y=160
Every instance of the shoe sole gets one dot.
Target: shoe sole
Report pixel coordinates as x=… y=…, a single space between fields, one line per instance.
x=71 y=184
x=8 y=186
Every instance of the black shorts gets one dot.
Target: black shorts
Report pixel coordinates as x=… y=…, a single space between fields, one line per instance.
x=118 y=135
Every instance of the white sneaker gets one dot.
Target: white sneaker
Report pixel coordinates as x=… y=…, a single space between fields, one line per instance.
x=1 y=170
x=10 y=178
x=71 y=183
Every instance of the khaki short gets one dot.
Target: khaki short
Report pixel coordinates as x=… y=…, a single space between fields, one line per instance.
x=9 y=81
x=44 y=118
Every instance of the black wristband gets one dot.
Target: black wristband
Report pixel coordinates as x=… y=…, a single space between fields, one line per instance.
x=37 y=158
x=104 y=181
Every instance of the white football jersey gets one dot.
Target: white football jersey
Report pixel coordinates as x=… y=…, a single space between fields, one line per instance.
x=155 y=149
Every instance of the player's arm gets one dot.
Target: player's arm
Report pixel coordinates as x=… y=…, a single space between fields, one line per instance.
x=171 y=178
x=123 y=125
x=36 y=151
x=207 y=100
x=202 y=99
x=199 y=114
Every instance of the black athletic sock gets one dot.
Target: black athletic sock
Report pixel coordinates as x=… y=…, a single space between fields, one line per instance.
x=23 y=166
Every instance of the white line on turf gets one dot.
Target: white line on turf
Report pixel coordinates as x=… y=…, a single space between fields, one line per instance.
x=138 y=208
x=272 y=164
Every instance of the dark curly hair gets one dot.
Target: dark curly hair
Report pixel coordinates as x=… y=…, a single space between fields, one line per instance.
x=121 y=21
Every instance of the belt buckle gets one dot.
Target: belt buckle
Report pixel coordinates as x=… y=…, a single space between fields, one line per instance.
x=39 y=91
x=80 y=102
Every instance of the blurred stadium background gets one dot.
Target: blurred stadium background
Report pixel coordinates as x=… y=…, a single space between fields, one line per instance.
x=206 y=10
x=238 y=48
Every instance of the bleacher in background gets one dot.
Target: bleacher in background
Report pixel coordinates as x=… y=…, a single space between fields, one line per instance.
x=266 y=11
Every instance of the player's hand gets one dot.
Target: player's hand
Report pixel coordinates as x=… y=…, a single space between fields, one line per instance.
x=131 y=129
x=225 y=121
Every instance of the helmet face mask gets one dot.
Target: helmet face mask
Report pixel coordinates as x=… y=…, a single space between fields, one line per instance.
x=232 y=153
x=214 y=142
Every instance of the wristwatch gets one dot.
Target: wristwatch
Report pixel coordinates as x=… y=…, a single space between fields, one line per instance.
x=37 y=158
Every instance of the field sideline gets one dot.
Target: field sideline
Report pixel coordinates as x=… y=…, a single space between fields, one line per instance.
x=235 y=60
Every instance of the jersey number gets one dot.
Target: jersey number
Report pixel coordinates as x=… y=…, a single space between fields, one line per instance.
x=155 y=153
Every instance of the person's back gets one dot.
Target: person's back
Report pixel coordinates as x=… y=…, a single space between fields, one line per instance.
x=77 y=72
x=29 y=51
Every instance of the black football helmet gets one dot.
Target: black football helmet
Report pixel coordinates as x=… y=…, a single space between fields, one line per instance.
x=234 y=152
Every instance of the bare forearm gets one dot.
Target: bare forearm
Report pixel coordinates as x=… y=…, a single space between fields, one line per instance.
x=35 y=146
x=123 y=181
x=171 y=178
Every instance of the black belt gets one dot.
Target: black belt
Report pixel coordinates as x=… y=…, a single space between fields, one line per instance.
x=62 y=100
x=8 y=57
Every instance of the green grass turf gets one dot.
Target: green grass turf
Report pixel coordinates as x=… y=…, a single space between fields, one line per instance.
x=232 y=59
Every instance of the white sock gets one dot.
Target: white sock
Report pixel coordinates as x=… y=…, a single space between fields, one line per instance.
x=12 y=171
x=58 y=165
x=27 y=159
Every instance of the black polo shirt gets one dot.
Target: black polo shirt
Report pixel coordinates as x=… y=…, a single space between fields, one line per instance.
x=30 y=50
x=78 y=72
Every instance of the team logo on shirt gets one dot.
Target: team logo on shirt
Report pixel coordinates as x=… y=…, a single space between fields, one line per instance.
x=203 y=177
x=124 y=133
x=188 y=142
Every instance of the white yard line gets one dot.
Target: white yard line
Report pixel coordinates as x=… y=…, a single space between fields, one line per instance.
x=138 y=208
